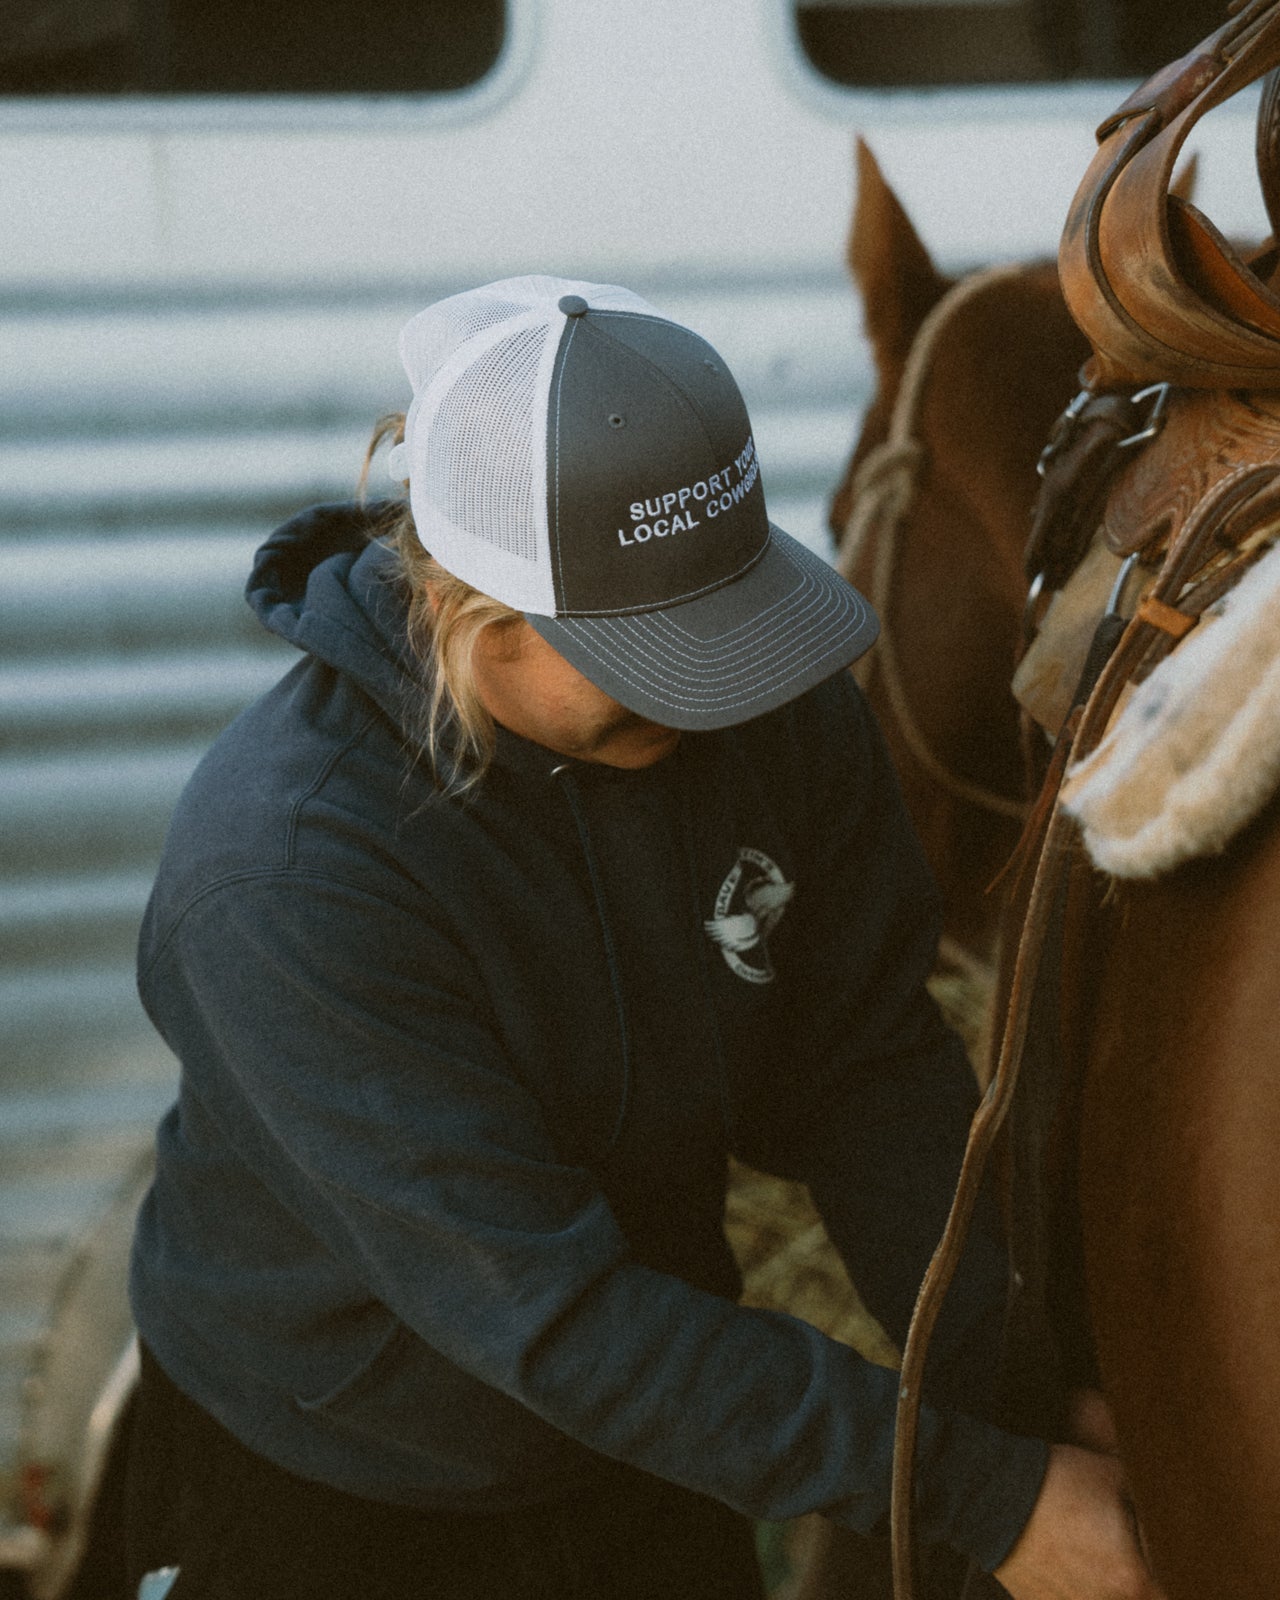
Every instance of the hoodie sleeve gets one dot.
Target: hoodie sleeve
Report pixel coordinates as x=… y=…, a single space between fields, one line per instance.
x=357 y=1079
x=879 y=1131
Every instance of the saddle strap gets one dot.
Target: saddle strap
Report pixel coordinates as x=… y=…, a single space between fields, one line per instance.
x=1158 y=291
x=1267 y=148
x=1086 y=450
x=1057 y=842
x=1051 y=864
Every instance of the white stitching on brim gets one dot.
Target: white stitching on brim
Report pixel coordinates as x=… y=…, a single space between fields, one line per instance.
x=802 y=632
x=810 y=624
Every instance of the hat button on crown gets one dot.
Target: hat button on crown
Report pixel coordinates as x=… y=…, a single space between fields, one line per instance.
x=573 y=305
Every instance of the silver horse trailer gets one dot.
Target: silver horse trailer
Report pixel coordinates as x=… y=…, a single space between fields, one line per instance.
x=215 y=219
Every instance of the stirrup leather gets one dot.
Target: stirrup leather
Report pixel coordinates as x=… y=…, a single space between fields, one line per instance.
x=1158 y=291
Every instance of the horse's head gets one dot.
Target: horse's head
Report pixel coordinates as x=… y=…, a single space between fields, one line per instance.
x=931 y=518
x=989 y=361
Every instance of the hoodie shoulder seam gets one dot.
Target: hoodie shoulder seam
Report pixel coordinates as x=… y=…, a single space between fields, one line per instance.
x=317 y=783
x=228 y=880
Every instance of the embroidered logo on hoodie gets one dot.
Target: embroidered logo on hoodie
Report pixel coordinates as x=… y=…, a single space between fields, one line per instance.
x=748 y=907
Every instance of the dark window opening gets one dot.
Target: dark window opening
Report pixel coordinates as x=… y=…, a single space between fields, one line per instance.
x=931 y=43
x=246 y=46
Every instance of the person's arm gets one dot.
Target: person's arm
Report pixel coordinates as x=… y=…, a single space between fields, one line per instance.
x=354 y=1073
x=873 y=1102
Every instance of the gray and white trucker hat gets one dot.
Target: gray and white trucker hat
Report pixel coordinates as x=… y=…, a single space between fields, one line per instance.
x=587 y=461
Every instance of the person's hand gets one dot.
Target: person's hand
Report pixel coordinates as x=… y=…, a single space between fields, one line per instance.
x=1081 y=1541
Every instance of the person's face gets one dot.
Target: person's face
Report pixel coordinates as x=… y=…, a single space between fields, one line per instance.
x=531 y=689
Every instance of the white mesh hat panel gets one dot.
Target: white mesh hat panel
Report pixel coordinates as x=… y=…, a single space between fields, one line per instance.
x=476 y=434
x=478 y=470
x=435 y=337
x=477 y=459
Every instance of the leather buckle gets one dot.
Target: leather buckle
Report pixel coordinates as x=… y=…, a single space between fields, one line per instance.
x=1062 y=430
x=1158 y=394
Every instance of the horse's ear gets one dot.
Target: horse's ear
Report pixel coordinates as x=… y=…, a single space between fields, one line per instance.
x=896 y=278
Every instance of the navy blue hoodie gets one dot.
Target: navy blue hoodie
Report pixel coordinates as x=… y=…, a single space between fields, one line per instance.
x=438 y=1215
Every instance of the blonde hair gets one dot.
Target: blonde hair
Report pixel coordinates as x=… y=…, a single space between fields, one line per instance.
x=446 y=617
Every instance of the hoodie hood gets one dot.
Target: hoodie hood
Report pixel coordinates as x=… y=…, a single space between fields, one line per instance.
x=325 y=582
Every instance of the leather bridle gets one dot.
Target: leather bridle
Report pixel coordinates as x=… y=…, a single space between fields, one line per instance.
x=884 y=492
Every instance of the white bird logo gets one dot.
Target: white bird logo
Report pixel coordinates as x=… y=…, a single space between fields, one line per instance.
x=737 y=932
x=746 y=929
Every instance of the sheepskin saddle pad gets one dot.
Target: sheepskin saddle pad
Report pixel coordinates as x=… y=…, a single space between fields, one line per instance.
x=1193 y=755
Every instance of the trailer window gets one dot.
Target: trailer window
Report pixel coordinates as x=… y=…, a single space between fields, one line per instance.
x=60 y=47
x=882 y=43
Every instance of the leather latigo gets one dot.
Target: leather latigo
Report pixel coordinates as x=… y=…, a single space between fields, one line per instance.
x=1077 y=469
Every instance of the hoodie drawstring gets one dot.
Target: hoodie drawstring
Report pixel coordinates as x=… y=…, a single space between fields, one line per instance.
x=705 y=956
x=569 y=788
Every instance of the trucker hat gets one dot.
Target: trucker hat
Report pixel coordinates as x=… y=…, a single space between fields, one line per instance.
x=590 y=463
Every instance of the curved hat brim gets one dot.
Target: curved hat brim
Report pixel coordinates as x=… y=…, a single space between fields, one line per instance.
x=743 y=649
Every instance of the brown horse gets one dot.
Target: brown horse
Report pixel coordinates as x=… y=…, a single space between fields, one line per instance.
x=1169 y=1051
x=930 y=522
